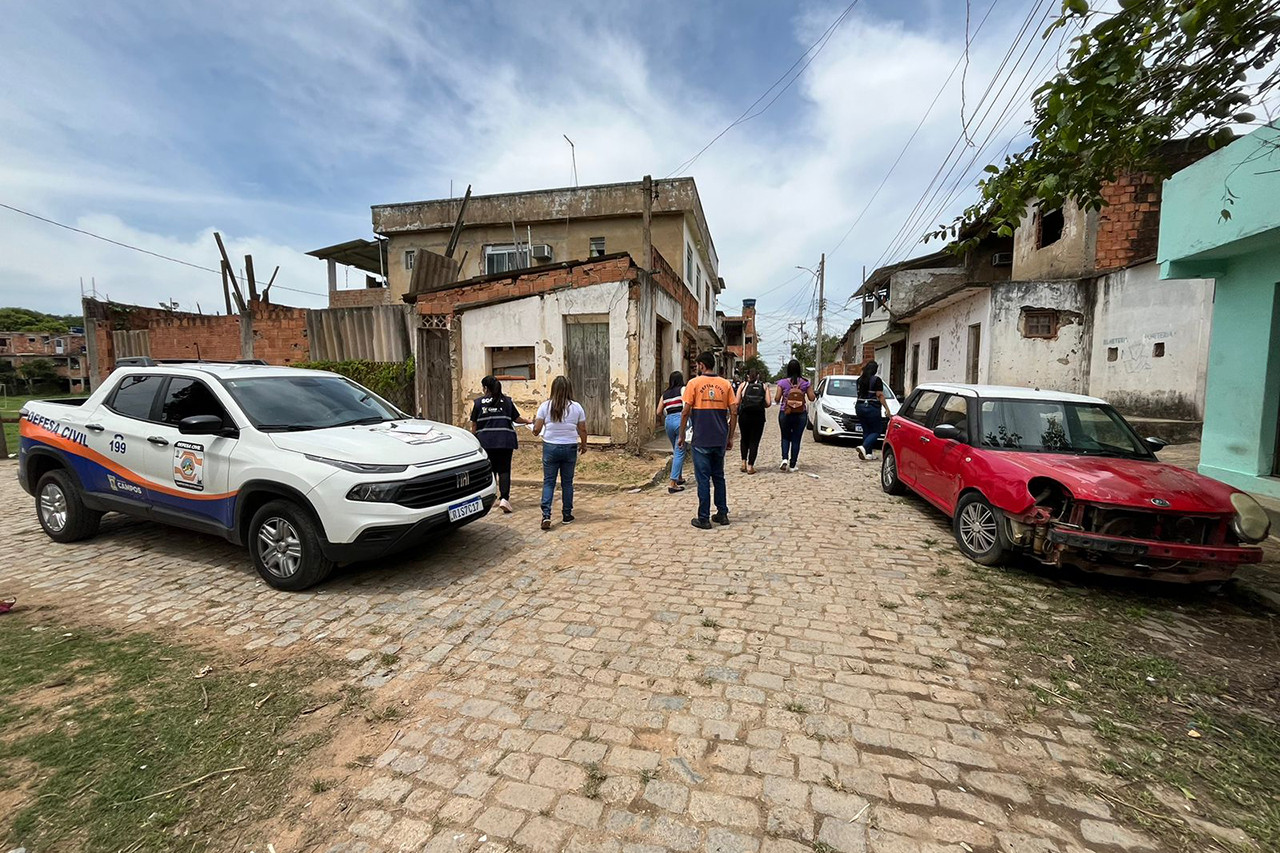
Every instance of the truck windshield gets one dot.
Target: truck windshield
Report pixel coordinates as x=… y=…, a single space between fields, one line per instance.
x=1052 y=426
x=290 y=403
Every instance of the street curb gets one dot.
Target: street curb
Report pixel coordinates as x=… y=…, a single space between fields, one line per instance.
x=588 y=486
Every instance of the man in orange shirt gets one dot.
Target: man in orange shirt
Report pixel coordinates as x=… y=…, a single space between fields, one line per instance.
x=709 y=403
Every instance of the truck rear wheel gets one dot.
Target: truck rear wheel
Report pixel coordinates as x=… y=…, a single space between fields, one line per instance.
x=62 y=513
x=284 y=543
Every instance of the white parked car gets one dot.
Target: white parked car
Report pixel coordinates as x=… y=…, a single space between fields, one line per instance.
x=832 y=414
x=306 y=468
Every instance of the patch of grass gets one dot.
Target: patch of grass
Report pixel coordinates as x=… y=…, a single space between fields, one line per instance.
x=794 y=707
x=115 y=726
x=1083 y=653
x=647 y=776
x=703 y=681
x=890 y=605
x=319 y=786
x=595 y=778
x=387 y=660
x=823 y=847
x=942 y=571
x=833 y=784
x=708 y=622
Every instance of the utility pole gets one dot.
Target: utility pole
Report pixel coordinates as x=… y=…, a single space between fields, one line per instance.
x=817 y=352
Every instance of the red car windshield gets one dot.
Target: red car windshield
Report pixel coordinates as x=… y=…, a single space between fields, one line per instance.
x=1050 y=426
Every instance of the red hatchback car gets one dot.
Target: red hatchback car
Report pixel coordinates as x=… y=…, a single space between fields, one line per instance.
x=1065 y=479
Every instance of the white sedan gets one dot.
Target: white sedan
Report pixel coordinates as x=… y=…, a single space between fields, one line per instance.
x=832 y=414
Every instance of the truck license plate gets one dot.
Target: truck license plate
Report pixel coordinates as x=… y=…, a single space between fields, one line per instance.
x=460 y=511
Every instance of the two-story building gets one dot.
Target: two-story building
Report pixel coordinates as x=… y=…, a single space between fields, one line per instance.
x=66 y=351
x=612 y=285
x=741 y=342
x=1073 y=302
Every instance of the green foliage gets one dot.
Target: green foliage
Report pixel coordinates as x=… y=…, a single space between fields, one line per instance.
x=754 y=363
x=804 y=351
x=40 y=373
x=392 y=381
x=1134 y=80
x=26 y=320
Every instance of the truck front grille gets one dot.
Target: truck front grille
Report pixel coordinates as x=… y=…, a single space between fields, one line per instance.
x=444 y=486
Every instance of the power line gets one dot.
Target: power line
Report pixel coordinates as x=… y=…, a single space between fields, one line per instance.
x=139 y=248
x=907 y=145
x=747 y=115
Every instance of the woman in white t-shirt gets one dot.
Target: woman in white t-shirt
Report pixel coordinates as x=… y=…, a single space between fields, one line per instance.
x=562 y=423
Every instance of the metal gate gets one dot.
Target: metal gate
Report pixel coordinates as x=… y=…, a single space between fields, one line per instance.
x=587 y=363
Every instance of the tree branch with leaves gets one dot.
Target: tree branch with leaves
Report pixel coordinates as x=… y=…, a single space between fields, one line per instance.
x=1154 y=71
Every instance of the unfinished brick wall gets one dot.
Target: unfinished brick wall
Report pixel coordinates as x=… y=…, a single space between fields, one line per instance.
x=280 y=334
x=673 y=284
x=361 y=298
x=1129 y=224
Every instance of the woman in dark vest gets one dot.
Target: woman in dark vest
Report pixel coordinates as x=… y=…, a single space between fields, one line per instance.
x=871 y=403
x=493 y=420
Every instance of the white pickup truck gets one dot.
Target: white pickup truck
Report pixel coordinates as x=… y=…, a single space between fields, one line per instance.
x=306 y=468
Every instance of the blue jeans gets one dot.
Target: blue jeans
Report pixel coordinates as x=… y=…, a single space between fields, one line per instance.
x=558 y=459
x=793 y=427
x=673 y=434
x=872 y=423
x=708 y=467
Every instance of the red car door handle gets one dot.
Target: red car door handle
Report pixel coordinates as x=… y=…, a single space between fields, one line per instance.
x=925 y=439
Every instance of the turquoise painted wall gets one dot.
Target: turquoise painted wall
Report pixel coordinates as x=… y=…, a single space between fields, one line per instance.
x=1242 y=253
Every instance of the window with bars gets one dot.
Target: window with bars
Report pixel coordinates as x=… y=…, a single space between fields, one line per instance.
x=1039 y=323
x=505 y=258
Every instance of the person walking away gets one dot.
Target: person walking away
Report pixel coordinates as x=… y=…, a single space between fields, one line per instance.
x=493 y=420
x=870 y=404
x=670 y=408
x=793 y=397
x=562 y=423
x=710 y=405
x=753 y=400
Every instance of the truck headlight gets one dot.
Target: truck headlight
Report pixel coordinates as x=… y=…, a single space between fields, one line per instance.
x=374 y=492
x=1251 y=522
x=358 y=467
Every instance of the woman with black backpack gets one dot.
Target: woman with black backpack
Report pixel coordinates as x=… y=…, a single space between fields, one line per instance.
x=753 y=400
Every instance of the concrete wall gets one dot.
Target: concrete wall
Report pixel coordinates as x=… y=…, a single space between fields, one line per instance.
x=1072 y=256
x=1134 y=311
x=950 y=324
x=539 y=321
x=570 y=241
x=1060 y=363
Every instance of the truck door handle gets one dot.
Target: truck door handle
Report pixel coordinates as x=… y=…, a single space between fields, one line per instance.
x=158 y=441
x=95 y=427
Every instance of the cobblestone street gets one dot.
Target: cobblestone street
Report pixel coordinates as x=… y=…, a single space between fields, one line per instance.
x=797 y=681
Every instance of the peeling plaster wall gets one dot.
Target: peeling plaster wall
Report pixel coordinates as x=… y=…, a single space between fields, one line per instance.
x=951 y=326
x=1134 y=312
x=1072 y=255
x=539 y=321
x=1060 y=363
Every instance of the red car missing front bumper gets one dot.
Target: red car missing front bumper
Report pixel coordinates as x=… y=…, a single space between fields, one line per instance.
x=1198 y=562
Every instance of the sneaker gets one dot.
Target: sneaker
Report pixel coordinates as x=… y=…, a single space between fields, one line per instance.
x=795 y=468
x=871 y=455
x=700 y=523
x=862 y=452
x=721 y=518
x=504 y=505
x=568 y=519
x=546 y=524
x=784 y=466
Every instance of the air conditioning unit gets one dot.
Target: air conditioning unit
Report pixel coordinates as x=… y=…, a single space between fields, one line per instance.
x=1002 y=259
x=541 y=252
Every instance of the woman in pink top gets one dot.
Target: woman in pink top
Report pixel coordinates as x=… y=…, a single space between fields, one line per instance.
x=793 y=398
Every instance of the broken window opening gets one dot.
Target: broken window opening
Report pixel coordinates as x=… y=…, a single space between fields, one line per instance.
x=597 y=247
x=1051 y=223
x=1113 y=353
x=1157 y=351
x=512 y=362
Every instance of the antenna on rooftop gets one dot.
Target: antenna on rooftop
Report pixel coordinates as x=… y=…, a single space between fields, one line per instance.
x=573 y=154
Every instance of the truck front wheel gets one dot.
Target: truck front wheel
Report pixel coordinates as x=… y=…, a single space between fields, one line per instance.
x=284 y=543
x=62 y=513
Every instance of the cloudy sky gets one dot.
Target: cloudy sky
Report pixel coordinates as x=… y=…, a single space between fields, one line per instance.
x=279 y=124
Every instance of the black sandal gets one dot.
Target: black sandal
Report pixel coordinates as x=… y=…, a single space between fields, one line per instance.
x=673 y=490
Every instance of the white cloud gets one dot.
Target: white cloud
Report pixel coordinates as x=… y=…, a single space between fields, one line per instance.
x=318 y=111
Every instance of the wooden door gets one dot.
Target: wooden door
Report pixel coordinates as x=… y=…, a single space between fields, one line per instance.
x=435 y=380
x=587 y=366
x=975 y=347
x=897 y=366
